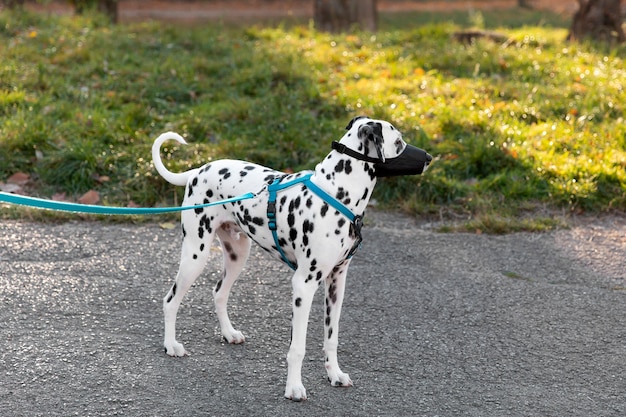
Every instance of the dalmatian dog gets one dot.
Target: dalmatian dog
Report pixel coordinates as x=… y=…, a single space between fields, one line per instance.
x=312 y=236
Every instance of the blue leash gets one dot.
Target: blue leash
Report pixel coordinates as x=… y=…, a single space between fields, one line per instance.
x=92 y=209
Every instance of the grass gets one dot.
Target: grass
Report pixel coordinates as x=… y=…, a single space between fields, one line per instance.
x=519 y=131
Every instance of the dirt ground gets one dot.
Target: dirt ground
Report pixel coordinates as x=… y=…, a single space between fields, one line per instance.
x=138 y=10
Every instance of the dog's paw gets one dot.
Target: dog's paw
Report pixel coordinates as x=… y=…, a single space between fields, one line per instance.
x=340 y=379
x=175 y=349
x=234 y=338
x=296 y=392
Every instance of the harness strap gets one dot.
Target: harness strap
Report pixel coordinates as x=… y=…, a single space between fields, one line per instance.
x=271 y=215
x=276 y=185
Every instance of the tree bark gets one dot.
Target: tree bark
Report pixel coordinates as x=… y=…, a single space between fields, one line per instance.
x=598 y=19
x=342 y=15
x=108 y=7
x=12 y=4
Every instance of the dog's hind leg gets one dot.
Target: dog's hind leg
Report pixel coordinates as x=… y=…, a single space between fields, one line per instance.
x=236 y=248
x=194 y=255
x=335 y=288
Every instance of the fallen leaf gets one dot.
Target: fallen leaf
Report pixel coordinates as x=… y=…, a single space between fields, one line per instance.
x=167 y=226
x=59 y=197
x=90 y=197
x=19 y=178
x=10 y=188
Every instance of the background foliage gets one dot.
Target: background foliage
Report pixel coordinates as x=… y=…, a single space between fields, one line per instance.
x=531 y=127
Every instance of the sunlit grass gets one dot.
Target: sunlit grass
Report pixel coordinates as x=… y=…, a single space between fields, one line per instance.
x=534 y=123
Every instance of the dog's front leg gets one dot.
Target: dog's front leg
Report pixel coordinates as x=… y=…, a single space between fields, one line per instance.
x=303 y=292
x=335 y=288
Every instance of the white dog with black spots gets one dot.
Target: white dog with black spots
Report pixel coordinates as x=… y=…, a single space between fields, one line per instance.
x=314 y=237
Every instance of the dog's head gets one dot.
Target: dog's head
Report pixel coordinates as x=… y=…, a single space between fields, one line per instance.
x=378 y=142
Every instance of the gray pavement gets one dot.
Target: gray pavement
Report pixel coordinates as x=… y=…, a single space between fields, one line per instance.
x=433 y=325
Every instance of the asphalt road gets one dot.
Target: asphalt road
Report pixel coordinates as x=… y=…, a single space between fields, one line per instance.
x=433 y=324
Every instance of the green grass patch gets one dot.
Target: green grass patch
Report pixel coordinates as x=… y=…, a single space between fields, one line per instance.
x=533 y=124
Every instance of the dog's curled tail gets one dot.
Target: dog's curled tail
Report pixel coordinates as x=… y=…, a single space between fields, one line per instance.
x=171 y=177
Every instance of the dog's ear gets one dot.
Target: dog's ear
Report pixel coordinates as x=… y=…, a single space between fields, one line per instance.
x=352 y=121
x=371 y=134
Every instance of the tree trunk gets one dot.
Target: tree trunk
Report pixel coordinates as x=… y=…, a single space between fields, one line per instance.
x=12 y=4
x=342 y=15
x=598 y=19
x=108 y=7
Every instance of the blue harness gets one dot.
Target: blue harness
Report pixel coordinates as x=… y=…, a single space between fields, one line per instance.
x=274 y=187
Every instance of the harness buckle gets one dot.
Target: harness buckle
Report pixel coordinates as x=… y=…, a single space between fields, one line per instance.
x=357 y=225
x=271 y=215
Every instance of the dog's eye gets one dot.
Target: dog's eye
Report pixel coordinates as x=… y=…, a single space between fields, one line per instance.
x=399 y=144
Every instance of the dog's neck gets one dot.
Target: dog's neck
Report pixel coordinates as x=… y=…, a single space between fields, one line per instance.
x=349 y=180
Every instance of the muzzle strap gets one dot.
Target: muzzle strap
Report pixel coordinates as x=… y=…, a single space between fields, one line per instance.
x=341 y=148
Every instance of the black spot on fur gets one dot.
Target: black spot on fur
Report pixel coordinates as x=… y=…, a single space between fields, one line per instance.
x=293 y=234
x=348 y=167
x=298 y=301
x=224 y=172
x=324 y=209
x=330 y=332
x=307 y=226
x=209 y=193
x=218 y=285
x=332 y=292
x=340 y=166
x=201 y=247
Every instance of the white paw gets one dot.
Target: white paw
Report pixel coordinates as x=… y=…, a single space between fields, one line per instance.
x=295 y=392
x=340 y=379
x=234 y=337
x=175 y=349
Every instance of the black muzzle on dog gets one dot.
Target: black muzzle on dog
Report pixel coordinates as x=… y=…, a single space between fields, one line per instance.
x=412 y=161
